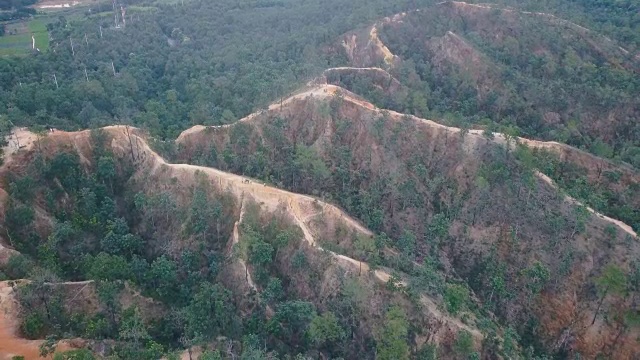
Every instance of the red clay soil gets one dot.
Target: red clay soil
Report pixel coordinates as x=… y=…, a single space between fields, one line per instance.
x=10 y=343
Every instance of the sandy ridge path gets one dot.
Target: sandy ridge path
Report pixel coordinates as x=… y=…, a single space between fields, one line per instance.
x=314 y=91
x=502 y=139
x=274 y=197
x=326 y=91
x=371 y=68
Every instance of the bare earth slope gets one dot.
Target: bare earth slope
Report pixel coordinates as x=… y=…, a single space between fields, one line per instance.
x=462 y=160
x=128 y=144
x=302 y=208
x=192 y=135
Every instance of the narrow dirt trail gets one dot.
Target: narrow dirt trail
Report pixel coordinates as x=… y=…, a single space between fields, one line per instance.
x=266 y=195
x=502 y=139
x=372 y=68
x=626 y=228
x=432 y=307
x=324 y=91
x=235 y=240
x=314 y=91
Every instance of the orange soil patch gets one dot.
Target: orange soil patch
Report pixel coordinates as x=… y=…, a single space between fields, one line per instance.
x=10 y=343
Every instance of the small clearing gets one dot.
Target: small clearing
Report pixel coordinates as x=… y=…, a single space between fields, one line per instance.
x=58 y=4
x=20 y=139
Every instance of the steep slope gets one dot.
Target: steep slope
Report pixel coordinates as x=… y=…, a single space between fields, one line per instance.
x=467 y=200
x=303 y=210
x=79 y=297
x=364 y=47
x=534 y=74
x=318 y=223
x=548 y=77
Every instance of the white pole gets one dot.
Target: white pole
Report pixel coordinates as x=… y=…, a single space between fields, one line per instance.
x=114 y=68
x=101 y=31
x=85 y=74
x=55 y=79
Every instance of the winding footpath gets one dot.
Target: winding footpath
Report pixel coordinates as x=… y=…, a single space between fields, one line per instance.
x=323 y=91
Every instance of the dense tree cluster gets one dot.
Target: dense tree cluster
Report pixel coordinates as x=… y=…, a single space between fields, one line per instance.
x=428 y=210
x=542 y=77
x=175 y=66
x=211 y=62
x=11 y=4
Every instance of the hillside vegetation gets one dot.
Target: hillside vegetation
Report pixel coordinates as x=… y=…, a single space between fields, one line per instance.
x=132 y=254
x=289 y=179
x=522 y=73
x=468 y=205
x=529 y=73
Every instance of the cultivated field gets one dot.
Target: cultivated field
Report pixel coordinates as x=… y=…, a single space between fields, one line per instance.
x=18 y=38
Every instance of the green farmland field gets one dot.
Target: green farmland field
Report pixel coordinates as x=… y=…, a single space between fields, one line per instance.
x=18 y=40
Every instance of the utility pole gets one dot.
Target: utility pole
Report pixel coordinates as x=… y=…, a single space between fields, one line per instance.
x=85 y=39
x=115 y=14
x=72 y=50
x=85 y=74
x=124 y=19
x=55 y=79
x=100 y=31
x=114 y=69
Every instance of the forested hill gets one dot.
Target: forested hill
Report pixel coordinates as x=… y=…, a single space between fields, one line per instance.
x=208 y=62
x=526 y=72
x=205 y=62
x=332 y=211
